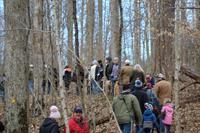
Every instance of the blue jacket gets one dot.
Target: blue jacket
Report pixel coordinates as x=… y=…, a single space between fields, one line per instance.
x=150 y=116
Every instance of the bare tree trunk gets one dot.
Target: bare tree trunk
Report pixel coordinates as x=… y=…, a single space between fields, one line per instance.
x=115 y=28
x=120 y=30
x=177 y=48
x=100 y=31
x=83 y=49
x=38 y=65
x=90 y=29
x=70 y=30
x=61 y=86
x=137 y=19
x=16 y=66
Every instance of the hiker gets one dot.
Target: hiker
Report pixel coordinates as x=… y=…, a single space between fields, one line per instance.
x=125 y=74
x=100 y=73
x=162 y=88
x=149 y=119
x=150 y=79
x=152 y=98
x=115 y=73
x=50 y=124
x=127 y=109
x=140 y=94
x=108 y=71
x=93 y=76
x=138 y=73
x=167 y=113
x=67 y=77
x=78 y=124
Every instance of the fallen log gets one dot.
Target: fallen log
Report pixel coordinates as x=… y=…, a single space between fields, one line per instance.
x=188 y=72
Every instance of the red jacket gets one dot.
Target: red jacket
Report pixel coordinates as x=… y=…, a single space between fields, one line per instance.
x=76 y=128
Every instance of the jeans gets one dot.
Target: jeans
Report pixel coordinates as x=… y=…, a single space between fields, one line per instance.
x=95 y=87
x=161 y=125
x=125 y=128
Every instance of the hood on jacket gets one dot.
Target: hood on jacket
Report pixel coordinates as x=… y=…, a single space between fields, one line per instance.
x=123 y=93
x=148 y=112
x=49 y=122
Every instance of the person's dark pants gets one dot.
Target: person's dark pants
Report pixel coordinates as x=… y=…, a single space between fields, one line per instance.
x=167 y=128
x=147 y=130
x=125 y=128
x=113 y=87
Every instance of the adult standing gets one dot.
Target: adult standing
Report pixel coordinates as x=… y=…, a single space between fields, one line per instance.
x=125 y=106
x=163 y=89
x=138 y=73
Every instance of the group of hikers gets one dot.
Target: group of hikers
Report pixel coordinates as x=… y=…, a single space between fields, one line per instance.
x=141 y=103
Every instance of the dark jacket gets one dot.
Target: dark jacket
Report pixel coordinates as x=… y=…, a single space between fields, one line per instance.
x=142 y=98
x=108 y=70
x=49 y=126
x=136 y=74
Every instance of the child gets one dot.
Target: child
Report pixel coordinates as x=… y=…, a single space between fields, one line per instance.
x=167 y=111
x=149 y=119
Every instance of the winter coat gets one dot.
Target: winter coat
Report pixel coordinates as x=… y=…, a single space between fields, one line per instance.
x=76 y=128
x=150 y=116
x=125 y=75
x=49 y=126
x=168 y=109
x=125 y=106
x=67 y=76
x=108 y=70
x=115 y=72
x=153 y=98
x=142 y=97
x=137 y=74
x=94 y=72
x=163 y=89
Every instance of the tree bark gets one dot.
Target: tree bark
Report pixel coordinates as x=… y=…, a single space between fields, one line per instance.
x=177 y=47
x=90 y=30
x=70 y=31
x=120 y=31
x=137 y=32
x=115 y=28
x=16 y=66
x=61 y=85
x=100 y=31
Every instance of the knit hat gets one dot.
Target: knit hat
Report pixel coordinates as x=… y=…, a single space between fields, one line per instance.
x=148 y=106
x=78 y=109
x=138 y=83
x=54 y=113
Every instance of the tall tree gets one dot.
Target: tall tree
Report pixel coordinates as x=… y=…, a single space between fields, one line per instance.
x=120 y=30
x=57 y=6
x=115 y=28
x=100 y=31
x=70 y=30
x=38 y=61
x=177 y=47
x=137 y=31
x=90 y=30
x=16 y=65
x=166 y=37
